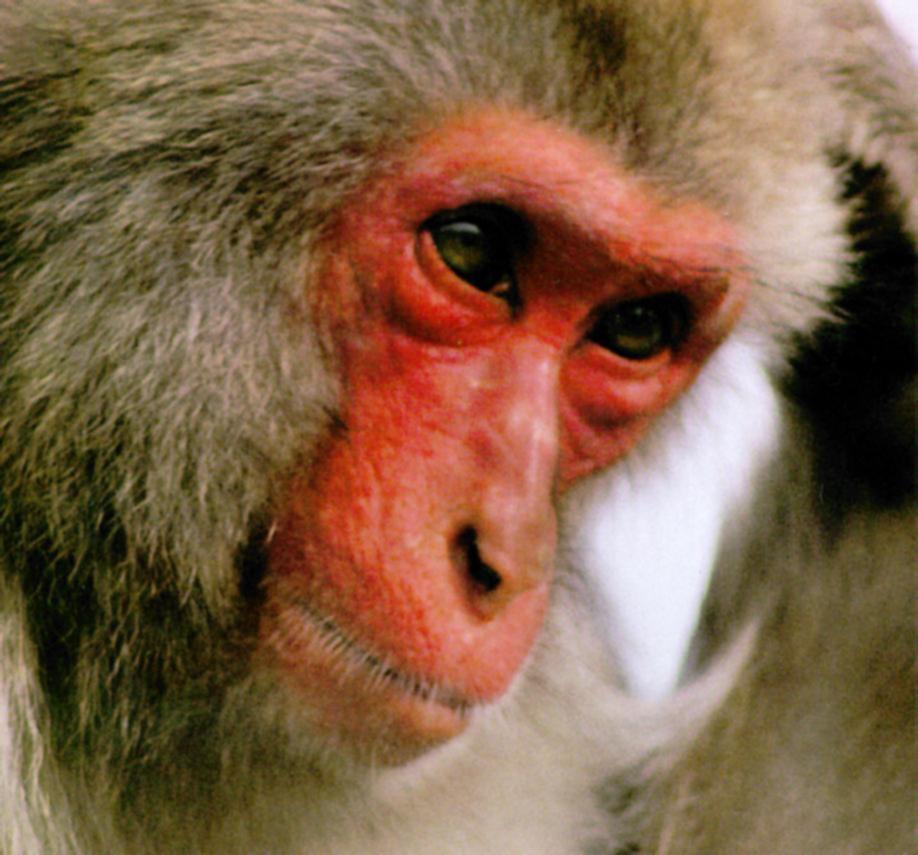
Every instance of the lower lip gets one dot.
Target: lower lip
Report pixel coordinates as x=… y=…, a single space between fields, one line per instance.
x=355 y=698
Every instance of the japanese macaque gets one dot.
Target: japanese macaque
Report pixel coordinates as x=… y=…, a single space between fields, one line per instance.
x=324 y=326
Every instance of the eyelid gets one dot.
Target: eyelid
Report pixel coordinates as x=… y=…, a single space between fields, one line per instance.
x=511 y=223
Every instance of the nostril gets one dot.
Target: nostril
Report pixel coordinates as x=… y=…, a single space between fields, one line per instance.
x=482 y=575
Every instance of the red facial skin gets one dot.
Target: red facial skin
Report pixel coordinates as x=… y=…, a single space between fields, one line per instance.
x=460 y=413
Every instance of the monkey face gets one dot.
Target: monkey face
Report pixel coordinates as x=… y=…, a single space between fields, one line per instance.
x=508 y=313
x=316 y=317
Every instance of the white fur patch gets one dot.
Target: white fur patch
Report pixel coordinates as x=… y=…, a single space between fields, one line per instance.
x=653 y=525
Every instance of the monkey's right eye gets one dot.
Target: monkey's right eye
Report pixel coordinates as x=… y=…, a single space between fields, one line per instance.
x=479 y=244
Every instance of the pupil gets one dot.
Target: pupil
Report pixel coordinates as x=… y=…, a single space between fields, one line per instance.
x=639 y=326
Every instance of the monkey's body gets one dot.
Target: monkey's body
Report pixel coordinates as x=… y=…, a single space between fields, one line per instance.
x=315 y=318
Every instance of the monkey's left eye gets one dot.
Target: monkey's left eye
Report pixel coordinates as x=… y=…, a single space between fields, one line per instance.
x=640 y=329
x=479 y=243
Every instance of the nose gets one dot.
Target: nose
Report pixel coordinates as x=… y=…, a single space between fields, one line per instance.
x=507 y=544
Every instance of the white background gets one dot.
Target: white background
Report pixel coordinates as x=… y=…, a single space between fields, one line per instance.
x=903 y=14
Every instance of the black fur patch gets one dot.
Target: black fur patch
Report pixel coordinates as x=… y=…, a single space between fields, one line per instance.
x=855 y=377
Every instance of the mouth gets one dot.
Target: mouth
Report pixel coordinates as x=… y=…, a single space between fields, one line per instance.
x=355 y=697
x=355 y=659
